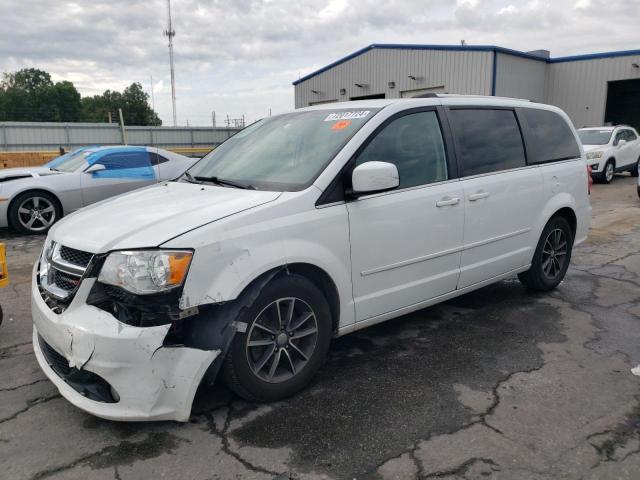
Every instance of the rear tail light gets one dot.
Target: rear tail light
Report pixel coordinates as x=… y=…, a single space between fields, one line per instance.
x=590 y=178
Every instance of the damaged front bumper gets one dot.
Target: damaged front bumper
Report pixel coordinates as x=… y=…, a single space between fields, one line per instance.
x=115 y=371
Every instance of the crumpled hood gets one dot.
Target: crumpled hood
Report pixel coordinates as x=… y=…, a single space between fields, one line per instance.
x=7 y=173
x=151 y=216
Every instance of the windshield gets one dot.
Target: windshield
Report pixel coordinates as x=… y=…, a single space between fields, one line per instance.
x=69 y=162
x=283 y=153
x=594 y=137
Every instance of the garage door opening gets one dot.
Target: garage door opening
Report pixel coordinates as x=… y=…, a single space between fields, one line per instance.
x=369 y=97
x=623 y=103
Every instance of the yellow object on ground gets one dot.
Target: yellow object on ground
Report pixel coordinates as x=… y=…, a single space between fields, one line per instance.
x=4 y=269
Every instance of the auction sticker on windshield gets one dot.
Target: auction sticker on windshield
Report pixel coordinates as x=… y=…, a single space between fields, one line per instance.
x=332 y=117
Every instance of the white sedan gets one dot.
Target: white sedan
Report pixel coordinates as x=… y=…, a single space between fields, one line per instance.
x=32 y=199
x=610 y=150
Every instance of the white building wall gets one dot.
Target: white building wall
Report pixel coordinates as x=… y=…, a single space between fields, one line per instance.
x=580 y=87
x=520 y=77
x=456 y=72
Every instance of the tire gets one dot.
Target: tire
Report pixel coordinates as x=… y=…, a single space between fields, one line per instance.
x=634 y=170
x=608 y=172
x=249 y=369
x=34 y=212
x=544 y=276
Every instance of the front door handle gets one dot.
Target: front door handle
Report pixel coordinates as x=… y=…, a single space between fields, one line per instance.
x=447 y=201
x=478 y=196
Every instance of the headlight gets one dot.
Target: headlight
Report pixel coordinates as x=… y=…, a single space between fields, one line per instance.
x=146 y=271
x=594 y=155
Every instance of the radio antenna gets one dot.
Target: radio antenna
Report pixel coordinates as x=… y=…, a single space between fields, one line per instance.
x=170 y=33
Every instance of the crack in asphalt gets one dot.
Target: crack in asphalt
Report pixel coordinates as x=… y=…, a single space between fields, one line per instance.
x=10 y=389
x=463 y=468
x=226 y=447
x=123 y=453
x=4 y=351
x=30 y=405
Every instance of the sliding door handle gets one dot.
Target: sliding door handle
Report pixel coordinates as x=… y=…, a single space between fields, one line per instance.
x=447 y=201
x=478 y=196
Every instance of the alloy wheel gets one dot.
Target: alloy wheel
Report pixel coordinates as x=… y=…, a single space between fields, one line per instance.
x=554 y=254
x=282 y=339
x=608 y=172
x=36 y=214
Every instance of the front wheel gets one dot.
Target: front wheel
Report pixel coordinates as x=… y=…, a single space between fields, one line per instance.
x=609 y=172
x=34 y=212
x=288 y=333
x=551 y=258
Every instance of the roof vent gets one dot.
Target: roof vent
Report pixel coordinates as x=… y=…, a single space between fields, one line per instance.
x=540 y=53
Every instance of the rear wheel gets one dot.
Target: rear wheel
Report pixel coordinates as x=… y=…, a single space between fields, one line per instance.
x=634 y=170
x=288 y=333
x=34 y=212
x=551 y=258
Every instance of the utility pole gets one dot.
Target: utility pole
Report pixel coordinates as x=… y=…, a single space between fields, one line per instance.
x=213 y=119
x=153 y=100
x=124 y=130
x=170 y=33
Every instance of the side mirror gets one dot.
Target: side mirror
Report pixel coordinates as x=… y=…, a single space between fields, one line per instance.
x=96 y=167
x=372 y=177
x=622 y=142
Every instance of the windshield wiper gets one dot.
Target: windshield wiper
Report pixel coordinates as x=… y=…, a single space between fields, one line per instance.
x=190 y=178
x=220 y=181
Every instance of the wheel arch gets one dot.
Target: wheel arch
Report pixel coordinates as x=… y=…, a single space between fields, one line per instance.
x=16 y=196
x=570 y=216
x=318 y=276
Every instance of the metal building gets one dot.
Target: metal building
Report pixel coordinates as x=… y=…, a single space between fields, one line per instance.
x=593 y=89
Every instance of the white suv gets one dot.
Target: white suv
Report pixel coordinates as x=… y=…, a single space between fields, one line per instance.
x=610 y=150
x=301 y=228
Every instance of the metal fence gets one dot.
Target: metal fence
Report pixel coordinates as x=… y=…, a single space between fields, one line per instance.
x=29 y=136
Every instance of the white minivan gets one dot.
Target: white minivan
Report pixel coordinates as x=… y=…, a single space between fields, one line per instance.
x=300 y=228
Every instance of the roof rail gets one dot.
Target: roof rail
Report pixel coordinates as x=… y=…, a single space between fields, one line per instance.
x=454 y=95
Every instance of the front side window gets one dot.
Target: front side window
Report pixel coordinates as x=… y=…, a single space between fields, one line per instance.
x=594 y=137
x=124 y=165
x=620 y=135
x=282 y=153
x=630 y=136
x=123 y=160
x=487 y=140
x=551 y=136
x=413 y=143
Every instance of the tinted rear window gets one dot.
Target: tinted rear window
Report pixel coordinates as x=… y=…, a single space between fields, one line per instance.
x=551 y=136
x=487 y=140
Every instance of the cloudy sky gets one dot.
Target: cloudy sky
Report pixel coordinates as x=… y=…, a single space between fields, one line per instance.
x=240 y=56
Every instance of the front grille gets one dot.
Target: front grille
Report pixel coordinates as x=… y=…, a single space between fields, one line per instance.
x=64 y=280
x=76 y=257
x=57 y=362
x=60 y=273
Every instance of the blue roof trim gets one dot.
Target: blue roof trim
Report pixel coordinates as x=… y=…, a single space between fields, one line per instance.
x=467 y=48
x=595 y=56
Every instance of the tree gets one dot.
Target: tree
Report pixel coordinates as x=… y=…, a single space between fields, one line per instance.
x=134 y=102
x=30 y=95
